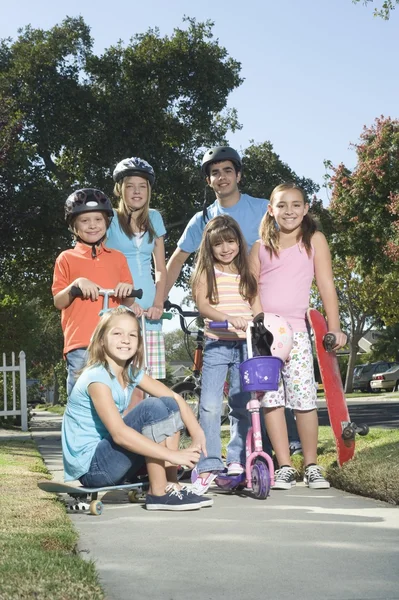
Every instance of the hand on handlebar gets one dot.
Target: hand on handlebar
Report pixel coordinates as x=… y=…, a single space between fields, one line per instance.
x=89 y=289
x=239 y=323
x=122 y=290
x=154 y=312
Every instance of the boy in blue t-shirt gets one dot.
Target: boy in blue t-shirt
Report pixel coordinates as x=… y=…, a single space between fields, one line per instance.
x=222 y=168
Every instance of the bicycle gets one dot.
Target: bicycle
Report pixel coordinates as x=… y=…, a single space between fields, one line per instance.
x=190 y=387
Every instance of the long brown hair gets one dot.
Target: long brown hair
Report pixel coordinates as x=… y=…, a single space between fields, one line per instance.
x=96 y=351
x=125 y=214
x=219 y=229
x=268 y=230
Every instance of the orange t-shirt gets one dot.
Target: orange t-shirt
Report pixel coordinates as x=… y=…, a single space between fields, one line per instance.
x=106 y=270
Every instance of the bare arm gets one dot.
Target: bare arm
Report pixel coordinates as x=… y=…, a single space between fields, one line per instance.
x=126 y=436
x=173 y=268
x=63 y=299
x=254 y=265
x=325 y=283
x=155 y=311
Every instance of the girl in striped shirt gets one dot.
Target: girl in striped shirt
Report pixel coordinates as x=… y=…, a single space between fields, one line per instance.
x=223 y=288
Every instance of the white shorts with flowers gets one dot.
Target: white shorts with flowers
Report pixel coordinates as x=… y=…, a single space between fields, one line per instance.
x=297 y=388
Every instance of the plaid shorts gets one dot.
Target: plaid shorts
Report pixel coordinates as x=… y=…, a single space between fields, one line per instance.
x=156 y=354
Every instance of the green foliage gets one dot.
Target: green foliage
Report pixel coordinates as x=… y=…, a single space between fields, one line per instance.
x=162 y=98
x=387 y=345
x=365 y=201
x=177 y=347
x=385 y=9
x=263 y=170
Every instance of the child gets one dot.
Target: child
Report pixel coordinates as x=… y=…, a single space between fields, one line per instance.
x=223 y=288
x=89 y=266
x=138 y=232
x=103 y=441
x=285 y=260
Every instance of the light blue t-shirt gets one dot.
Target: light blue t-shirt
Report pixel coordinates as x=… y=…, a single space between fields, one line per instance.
x=248 y=213
x=139 y=258
x=82 y=428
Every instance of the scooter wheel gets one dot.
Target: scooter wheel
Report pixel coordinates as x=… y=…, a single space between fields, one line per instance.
x=260 y=480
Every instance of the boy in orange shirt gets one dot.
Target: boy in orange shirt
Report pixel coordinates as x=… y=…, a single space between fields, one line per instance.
x=89 y=265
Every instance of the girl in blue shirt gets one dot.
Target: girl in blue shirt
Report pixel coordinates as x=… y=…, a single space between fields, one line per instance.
x=104 y=440
x=138 y=232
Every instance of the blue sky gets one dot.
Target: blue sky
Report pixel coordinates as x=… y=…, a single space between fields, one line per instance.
x=315 y=71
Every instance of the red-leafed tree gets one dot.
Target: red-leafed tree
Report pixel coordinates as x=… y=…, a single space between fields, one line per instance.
x=364 y=210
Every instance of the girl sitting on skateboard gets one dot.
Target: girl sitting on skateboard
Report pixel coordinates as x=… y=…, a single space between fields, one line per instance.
x=103 y=442
x=289 y=254
x=223 y=287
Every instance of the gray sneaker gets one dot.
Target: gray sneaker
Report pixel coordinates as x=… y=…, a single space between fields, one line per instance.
x=314 y=478
x=284 y=478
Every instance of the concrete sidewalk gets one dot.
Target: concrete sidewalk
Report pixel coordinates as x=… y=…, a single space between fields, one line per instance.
x=299 y=544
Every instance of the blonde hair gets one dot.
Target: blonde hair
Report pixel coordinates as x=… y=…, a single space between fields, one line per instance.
x=96 y=350
x=268 y=230
x=125 y=214
x=218 y=229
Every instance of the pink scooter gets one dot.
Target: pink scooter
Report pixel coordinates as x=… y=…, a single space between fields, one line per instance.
x=257 y=374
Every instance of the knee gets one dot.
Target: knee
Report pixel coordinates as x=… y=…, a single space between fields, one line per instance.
x=170 y=403
x=154 y=408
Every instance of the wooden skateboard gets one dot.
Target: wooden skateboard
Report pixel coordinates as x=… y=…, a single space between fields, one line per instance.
x=87 y=498
x=343 y=429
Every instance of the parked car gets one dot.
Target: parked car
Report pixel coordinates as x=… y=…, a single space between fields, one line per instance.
x=388 y=380
x=363 y=374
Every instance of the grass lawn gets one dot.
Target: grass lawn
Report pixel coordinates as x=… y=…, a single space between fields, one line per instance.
x=37 y=539
x=374 y=472
x=56 y=409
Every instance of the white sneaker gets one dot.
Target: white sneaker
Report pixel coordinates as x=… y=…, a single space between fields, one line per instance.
x=235 y=468
x=202 y=484
x=284 y=478
x=314 y=478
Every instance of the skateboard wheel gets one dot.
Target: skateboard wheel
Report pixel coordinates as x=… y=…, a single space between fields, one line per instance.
x=96 y=507
x=260 y=480
x=134 y=496
x=348 y=432
x=363 y=429
x=329 y=342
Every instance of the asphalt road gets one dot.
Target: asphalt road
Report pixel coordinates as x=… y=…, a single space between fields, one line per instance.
x=373 y=413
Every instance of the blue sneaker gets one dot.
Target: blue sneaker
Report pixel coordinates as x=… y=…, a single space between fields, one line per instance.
x=173 y=500
x=204 y=501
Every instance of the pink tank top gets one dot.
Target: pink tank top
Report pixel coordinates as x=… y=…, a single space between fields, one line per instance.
x=285 y=282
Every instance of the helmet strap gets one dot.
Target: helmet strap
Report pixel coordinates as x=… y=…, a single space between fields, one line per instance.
x=93 y=245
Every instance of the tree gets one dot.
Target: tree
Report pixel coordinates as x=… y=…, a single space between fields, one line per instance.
x=263 y=169
x=178 y=347
x=387 y=345
x=365 y=202
x=385 y=10
x=159 y=97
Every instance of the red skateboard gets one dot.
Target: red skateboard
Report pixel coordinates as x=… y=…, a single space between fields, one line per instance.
x=343 y=429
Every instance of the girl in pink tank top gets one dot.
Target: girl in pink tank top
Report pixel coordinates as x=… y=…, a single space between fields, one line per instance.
x=223 y=288
x=289 y=254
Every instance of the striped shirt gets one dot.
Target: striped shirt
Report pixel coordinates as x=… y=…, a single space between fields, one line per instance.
x=231 y=303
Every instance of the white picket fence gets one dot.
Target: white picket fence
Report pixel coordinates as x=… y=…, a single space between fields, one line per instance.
x=13 y=369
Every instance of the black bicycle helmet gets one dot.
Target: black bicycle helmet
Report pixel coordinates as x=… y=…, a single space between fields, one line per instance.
x=134 y=166
x=217 y=154
x=87 y=200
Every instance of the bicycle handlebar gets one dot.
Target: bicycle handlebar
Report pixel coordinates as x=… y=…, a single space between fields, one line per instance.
x=76 y=292
x=182 y=314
